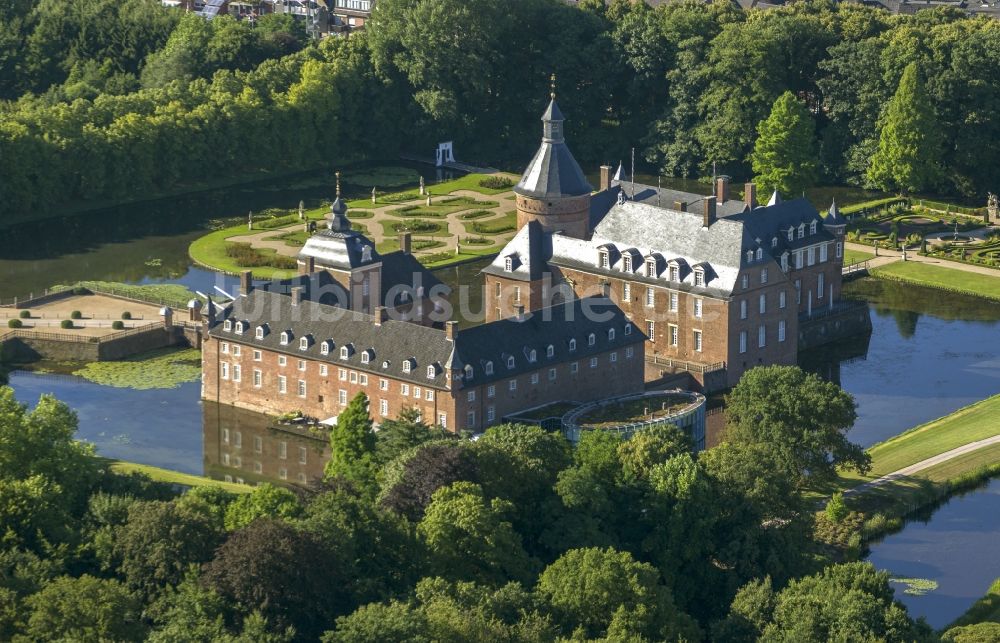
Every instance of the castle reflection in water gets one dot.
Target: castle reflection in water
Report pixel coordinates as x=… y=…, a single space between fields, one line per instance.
x=245 y=447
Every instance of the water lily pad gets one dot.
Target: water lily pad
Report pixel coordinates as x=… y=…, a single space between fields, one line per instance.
x=916 y=586
x=167 y=368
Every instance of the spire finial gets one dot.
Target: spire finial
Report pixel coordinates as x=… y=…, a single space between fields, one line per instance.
x=552 y=85
x=337 y=174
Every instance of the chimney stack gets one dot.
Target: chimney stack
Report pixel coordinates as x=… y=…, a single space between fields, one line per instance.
x=605 y=177
x=750 y=195
x=246 y=282
x=708 y=216
x=297 y=295
x=381 y=315
x=722 y=189
x=450 y=330
x=406 y=242
x=209 y=311
x=310 y=265
x=680 y=206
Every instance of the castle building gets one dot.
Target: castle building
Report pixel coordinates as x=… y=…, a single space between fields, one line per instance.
x=717 y=284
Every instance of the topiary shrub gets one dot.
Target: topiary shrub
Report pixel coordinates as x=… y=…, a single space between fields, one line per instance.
x=76 y=314
x=66 y=323
x=117 y=324
x=14 y=323
x=24 y=314
x=126 y=315
x=496 y=183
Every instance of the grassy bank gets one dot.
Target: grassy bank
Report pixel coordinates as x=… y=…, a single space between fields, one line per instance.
x=959 y=281
x=210 y=252
x=985 y=610
x=174 y=477
x=856 y=256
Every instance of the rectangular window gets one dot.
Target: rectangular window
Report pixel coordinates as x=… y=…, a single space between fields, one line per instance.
x=673 y=334
x=323 y=370
x=236 y=350
x=745 y=282
x=699 y=278
x=820 y=285
x=443 y=420
x=404 y=389
x=629 y=352
x=517 y=293
x=743 y=341
x=697 y=341
x=302 y=365
x=743 y=309
x=470 y=396
x=798 y=291
x=781 y=330
x=552 y=374
x=282 y=450
x=498 y=290
x=593 y=362
x=763 y=304
x=383 y=407
x=491 y=391
x=798 y=259
x=822 y=253
x=417 y=392
x=781 y=299
x=257 y=356
x=342 y=397
x=673 y=302
x=491 y=413
x=282 y=360
x=674 y=273
x=342 y=374
x=236 y=373
x=650 y=297
x=613 y=357
x=302 y=388
x=574 y=367
x=282 y=473
x=512 y=385
x=383 y=384
x=363 y=379
x=470 y=419
x=534 y=378
x=763 y=275
x=282 y=384
x=651 y=330
x=761 y=336
x=258 y=444
x=697 y=308
x=257 y=378
x=225 y=348
x=429 y=396
x=811 y=253
x=840 y=250
x=303 y=455
x=225 y=371
x=626 y=291
x=354 y=377
x=225 y=436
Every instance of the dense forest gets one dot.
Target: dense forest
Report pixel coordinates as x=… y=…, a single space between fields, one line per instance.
x=415 y=534
x=104 y=100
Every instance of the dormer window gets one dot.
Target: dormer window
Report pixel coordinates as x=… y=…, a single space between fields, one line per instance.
x=604 y=260
x=510 y=362
x=286 y=337
x=259 y=332
x=324 y=348
x=627 y=263
x=532 y=355
x=303 y=343
x=367 y=355
x=802 y=230
x=508 y=264
x=468 y=371
x=228 y=326
x=749 y=256
x=760 y=254
x=774 y=242
x=488 y=368
x=240 y=327
x=674 y=273
x=591 y=339
x=572 y=344
x=345 y=352
x=791 y=234
x=550 y=351
x=699 y=277
x=611 y=334
x=650 y=267
x=431 y=372
x=812 y=228
x=628 y=329
x=407 y=365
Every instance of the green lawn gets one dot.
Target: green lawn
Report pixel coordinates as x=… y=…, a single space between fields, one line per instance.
x=467 y=182
x=421 y=227
x=969 y=283
x=210 y=251
x=175 y=477
x=500 y=225
x=856 y=256
x=965 y=425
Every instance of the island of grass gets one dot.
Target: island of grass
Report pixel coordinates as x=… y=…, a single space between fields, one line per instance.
x=959 y=281
x=624 y=412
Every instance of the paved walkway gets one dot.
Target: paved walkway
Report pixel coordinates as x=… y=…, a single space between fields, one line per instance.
x=923 y=464
x=891 y=256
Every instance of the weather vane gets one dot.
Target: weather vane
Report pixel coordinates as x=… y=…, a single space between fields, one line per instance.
x=552 y=80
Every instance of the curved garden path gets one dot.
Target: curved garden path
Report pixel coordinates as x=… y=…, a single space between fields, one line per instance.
x=923 y=464
x=890 y=256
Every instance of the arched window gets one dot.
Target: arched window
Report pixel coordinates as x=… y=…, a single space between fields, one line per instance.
x=488 y=368
x=550 y=350
x=628 y=329
x=591 y=339
x=611 y=334
x=572 y=344
x=468 y=372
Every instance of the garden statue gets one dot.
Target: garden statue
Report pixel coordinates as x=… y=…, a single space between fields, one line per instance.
x=373 y=194
x=421 y=185
x=428 y=197
x=992 y=209
x=250 y=220
x=302 y=207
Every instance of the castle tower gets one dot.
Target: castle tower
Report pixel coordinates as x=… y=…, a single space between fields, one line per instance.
x=553 y=190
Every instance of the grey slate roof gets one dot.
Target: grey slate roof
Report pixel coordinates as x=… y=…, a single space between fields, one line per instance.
x=553 y=172
x=338 y=248
x=527 y=252
x=555 y=326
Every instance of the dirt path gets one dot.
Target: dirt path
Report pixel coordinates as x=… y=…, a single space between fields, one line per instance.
x=923 y=464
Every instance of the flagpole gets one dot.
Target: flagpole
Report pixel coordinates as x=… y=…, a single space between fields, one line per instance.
x=633 y=173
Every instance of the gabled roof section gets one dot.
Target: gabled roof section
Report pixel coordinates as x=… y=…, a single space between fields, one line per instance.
x=527 y=251
x=553 y=172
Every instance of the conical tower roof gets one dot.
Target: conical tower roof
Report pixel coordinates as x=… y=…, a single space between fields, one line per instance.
x=338 y=212
x=833 y=215
x=553 y=172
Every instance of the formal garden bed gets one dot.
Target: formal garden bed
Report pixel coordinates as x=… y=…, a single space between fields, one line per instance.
x=499 y=225
x=895 y=223
x=416 y=226
x=442 y=207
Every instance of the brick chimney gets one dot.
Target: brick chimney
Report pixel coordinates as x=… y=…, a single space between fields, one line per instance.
x=296 y=295
x=310 y=265
x=680 y=206
x=605 y=177
x=722 y=189
x=246 y=282
x=381 y=315
x=750 y=195
x=450 y=330
x=708 y=214
x=209 y=311
x=406 y=242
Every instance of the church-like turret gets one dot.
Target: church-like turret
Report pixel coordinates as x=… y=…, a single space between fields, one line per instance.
x=553 y=190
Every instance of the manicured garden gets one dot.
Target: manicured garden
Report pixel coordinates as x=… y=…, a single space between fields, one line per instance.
x=969 y=283
x=500 y=225
x=897 y=223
